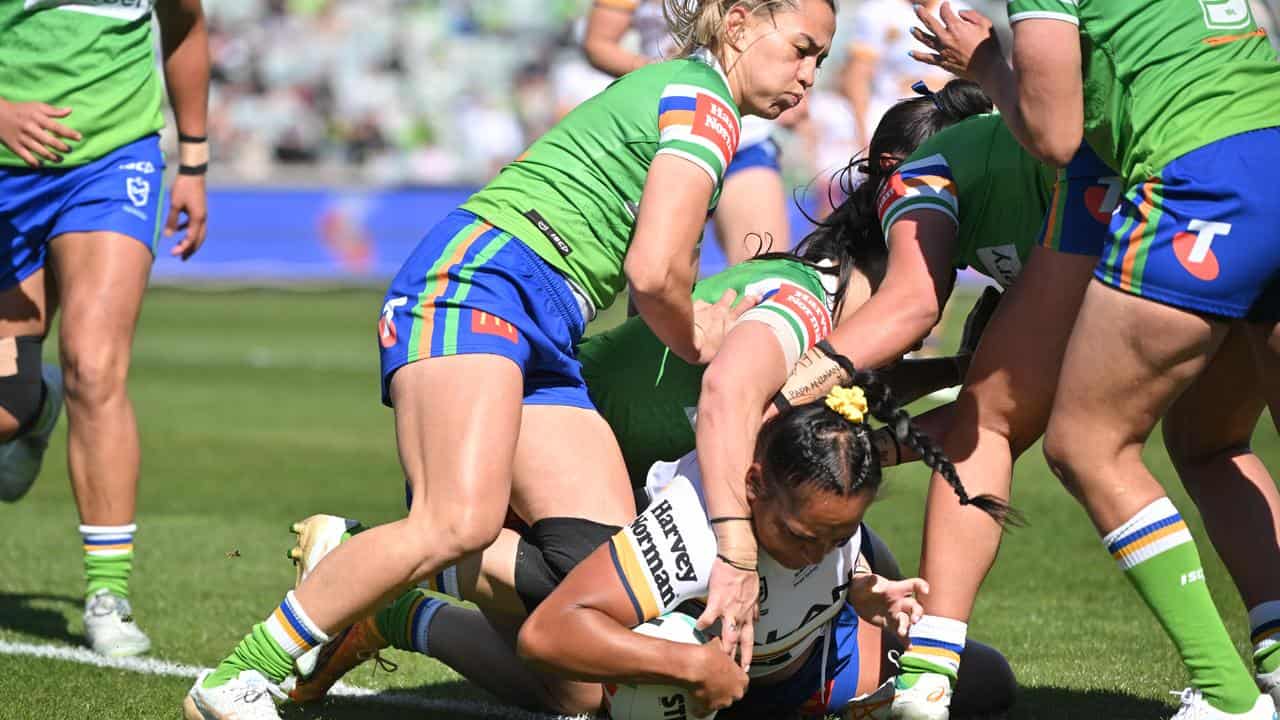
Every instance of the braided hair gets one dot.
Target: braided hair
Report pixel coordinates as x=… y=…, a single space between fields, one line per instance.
x=814 y=444
x=850 y=237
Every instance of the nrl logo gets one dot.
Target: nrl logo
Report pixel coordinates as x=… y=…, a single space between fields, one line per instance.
x=139 y=189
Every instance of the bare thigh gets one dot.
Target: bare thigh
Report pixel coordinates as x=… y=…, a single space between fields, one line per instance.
x=751 y=216
x=568 y=464
x=1127 y=361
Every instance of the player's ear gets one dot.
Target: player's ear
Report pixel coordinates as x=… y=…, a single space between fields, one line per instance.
x=755 y=483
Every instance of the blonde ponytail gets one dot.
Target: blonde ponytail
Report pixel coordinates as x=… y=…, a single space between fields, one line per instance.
x=699 y=23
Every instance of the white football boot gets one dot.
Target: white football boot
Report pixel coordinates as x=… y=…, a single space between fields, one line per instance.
x=109 y=626
x=1269 y=683
x=875 y=705
x=20 y=457
x=248 y=696
x=928 y=699
x=1195 y=707
x=317 y=535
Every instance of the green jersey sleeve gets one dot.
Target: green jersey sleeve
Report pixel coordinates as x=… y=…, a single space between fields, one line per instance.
x=697 y=122
x=1064 y=10
x=927 y=183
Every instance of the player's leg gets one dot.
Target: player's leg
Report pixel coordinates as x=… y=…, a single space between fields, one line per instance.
x=1207 y=432
x=29 y=406
x=1264 y=611
x=453 y=369
x=1000 y=412
x=1186 y=250
x=101 y=278
x=100 y=256
x=751 y=216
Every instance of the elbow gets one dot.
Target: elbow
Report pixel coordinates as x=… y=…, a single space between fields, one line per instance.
x=533 y=643
x=649 y=279
x=592 y=50
x=1056 y=154
x=720 y=390
x=1057 y=146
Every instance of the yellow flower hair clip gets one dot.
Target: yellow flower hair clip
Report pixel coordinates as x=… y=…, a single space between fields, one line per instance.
x=850 y=402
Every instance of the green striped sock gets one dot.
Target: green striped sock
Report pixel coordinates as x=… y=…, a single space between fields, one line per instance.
x=404 y=623
x=1158 y=555
x=272 y=645
x=108 y=558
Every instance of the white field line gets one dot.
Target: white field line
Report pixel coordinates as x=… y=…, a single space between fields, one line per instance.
x=164 y=668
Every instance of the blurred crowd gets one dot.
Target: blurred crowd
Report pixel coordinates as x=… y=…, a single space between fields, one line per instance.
x=444 y=92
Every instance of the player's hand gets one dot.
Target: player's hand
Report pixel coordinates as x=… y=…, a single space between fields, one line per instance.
x=711 y=322
x=961 y=43
x=721 y=682
x=733 y=600
x=188 y=199
x=885 y=603
x=30 y=130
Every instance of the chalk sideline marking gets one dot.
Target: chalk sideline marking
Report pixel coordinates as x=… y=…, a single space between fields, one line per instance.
x=164 y=668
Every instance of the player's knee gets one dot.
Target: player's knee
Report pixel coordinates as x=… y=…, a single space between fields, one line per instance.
x=462 y=530
x=1189 y=447
x=22 y=391
x=1059 y=455
x=93 y=375
x=576 y=698
x=550 y=550
x=986 y=685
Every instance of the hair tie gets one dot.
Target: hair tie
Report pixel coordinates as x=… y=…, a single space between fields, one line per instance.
x=850 y=402
x=922 y=89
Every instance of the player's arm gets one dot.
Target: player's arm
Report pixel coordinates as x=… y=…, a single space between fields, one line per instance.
x=1041 y=97
x=184 y=40
x=582 y=630
x=859 y=71
x=607 y=22
x=901 y=312
x=661 y=263
x=883 y=602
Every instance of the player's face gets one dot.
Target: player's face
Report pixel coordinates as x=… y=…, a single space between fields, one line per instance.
x=798 y=527
x=781 y=52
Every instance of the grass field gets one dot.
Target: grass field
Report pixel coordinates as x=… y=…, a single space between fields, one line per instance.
x=257 y=408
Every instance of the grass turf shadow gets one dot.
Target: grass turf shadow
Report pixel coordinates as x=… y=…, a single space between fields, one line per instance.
x=455 y=699
x=1049 y=703
x=23 y=613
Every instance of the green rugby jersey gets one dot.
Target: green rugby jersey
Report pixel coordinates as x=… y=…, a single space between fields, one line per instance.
x=574 y=195
x=93 y=56
x=1165 y=77
x=650 y=397
x=977 y=174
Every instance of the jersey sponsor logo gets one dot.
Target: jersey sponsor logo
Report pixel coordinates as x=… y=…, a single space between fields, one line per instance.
x=807 y=309
x=1101 y=199
x=545 y=228
x=482 y=323
x=714 y=121
x=138 y=189
x=118 y=9
x=695 y=115
x=387 y=321
x=1001 y=262
x=142 y=166
x=1194 y=249
x=664 y=513
x=647 y=544
x=1226 y=14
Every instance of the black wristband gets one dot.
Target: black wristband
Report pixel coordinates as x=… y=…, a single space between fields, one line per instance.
x=735 y=565
x=780 y=402
x=200 y=169
x=728 y=518
x=192 y=138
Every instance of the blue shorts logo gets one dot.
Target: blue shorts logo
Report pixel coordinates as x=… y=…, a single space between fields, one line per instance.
x=139 y=189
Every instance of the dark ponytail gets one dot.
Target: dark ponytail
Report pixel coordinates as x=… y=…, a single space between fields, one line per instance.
x=814 y=444
x=850 y=237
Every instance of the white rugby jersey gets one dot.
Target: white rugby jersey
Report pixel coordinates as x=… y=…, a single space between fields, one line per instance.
x=664 y=558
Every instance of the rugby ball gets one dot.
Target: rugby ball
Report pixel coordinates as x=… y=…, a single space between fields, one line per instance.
x=657 y=702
